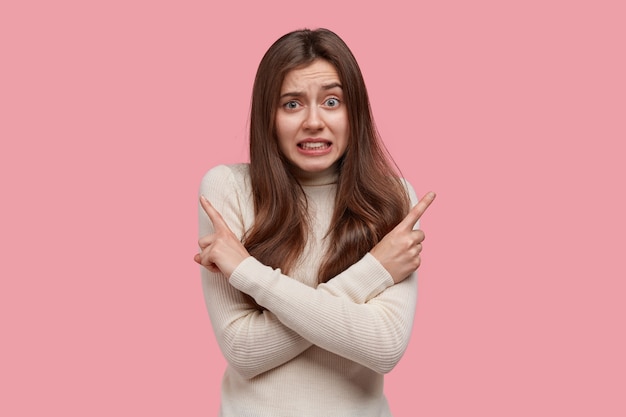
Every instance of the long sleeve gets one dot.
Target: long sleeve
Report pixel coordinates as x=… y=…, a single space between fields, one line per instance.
x=374 y=334
x=252 y=339
x=359 y=315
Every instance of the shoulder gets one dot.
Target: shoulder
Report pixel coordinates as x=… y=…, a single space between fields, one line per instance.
x=226 y=176
x=232 y=172
x=227 y=182
x=228 y=189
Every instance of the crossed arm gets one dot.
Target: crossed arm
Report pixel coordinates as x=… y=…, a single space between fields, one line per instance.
x=364 y=314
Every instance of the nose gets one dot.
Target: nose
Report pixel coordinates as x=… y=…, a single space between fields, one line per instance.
x=313 y=120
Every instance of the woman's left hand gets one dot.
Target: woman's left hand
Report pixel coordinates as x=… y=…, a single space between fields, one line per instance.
x=220 y=251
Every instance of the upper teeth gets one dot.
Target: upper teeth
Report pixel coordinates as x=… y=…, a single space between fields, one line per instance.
x=313 y=145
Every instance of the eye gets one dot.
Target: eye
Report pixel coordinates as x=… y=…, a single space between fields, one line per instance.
x=332 y=102
x=291 y=105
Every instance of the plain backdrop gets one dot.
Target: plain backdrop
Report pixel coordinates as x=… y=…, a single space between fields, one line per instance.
x=514 y=112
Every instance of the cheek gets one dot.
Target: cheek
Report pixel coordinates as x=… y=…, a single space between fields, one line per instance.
x=343 y=126
x=284 y=133
x=284 y=125
x=279 y=127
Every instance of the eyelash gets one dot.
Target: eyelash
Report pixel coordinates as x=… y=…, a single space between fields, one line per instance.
x=338 y=102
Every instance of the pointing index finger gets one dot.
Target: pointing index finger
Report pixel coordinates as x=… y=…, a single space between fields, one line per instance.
x=417 y=211
x=214 y=215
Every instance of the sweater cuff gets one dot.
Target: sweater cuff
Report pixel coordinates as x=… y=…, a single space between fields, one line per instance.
x=360 y=282
x=251 y=276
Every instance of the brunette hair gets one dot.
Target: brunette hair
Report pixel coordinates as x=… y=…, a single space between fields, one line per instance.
x=370 y=198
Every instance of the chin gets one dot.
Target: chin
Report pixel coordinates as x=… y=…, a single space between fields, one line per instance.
x=313 y=169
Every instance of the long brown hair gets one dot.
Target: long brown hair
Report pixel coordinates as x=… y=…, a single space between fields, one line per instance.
x=370 y=199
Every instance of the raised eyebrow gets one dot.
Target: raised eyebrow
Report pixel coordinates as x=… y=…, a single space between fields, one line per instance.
x=331 y=86
x=292 y=94
x=301 y=93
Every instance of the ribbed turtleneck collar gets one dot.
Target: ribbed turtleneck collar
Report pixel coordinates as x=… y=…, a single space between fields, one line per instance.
x=318 y=179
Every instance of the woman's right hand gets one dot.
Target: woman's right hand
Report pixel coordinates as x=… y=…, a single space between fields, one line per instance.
x=220 y=251
x=399 y=250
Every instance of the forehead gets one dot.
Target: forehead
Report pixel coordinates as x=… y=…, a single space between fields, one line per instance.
x=318 y=73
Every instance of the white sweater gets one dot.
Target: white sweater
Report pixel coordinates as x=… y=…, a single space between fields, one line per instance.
x=312 y=350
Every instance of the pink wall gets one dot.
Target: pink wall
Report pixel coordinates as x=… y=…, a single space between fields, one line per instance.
x=514 y=112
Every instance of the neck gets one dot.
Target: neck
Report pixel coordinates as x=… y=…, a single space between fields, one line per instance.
x=328 y=176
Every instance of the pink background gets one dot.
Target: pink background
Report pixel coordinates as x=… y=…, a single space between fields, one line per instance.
x=513 y=111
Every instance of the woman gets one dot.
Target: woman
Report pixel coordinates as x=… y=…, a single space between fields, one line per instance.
x=309 y=250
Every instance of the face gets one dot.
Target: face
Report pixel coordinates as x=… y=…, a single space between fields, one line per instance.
x=312 y=120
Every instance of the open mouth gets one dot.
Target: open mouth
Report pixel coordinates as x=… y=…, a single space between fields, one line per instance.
x=314 y=146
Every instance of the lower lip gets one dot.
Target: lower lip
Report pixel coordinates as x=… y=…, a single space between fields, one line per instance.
x=315 y=152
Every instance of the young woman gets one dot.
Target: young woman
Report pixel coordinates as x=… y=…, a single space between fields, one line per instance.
x=310 y=250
